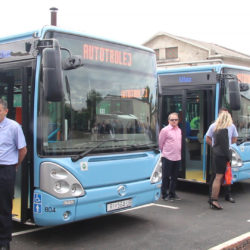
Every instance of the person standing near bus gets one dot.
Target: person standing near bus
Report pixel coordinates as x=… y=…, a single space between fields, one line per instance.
x=12 y=152
x=210 y=139
x=170 y=138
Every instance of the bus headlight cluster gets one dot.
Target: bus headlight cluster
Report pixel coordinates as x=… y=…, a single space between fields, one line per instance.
x=157 y=173
x=59 y=182
x=236 y=160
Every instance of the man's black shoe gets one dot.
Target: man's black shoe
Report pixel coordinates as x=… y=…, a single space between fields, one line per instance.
x=166 y=198
x=230 y=199
x=171 y=198
x=177 y=198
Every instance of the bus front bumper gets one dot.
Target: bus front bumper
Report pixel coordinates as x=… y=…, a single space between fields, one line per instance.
x=48 y=210
x=241 y=173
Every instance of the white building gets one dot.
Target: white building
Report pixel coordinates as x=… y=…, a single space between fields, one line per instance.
x=175 y=51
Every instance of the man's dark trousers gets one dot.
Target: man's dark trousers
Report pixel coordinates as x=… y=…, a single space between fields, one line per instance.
x=7 y=184
x=169 y=177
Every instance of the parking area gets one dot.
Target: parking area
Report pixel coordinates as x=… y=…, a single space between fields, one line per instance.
x=186 y=224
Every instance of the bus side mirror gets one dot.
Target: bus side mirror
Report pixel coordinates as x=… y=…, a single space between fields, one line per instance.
x=244 y=87
x=72 y=62
x=234 y=94
x=52 y=73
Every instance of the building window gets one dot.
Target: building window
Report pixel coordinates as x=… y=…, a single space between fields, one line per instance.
x=157 y=53
x=171 y=53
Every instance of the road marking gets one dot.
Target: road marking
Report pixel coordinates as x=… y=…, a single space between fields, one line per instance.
x=159 y=205
x=44 y=228
x=30 y=231
x=232 y=242
x=147 y=205
x=248 y=220
x=123 y=211
x=134 y=208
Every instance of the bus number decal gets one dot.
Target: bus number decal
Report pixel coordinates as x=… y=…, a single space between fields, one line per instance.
x=50 y=209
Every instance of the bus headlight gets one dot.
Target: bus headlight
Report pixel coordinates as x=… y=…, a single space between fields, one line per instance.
x=157 y=173
x=236 y=160
x=59 y=182
x=61 y=187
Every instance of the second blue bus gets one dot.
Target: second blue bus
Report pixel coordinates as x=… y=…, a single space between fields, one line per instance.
x=197 y=93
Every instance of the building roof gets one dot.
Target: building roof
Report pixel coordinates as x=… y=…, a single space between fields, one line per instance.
x=214 y=49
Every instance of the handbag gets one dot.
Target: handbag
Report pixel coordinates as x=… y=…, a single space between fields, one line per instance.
x=228 y=178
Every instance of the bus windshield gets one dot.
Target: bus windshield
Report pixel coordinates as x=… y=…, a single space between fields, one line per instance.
x=112 y=96
x=241 y=117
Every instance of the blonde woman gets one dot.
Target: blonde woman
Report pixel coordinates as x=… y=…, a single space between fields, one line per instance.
x=220 y=135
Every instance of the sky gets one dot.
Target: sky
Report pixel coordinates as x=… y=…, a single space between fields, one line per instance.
x=222 y=22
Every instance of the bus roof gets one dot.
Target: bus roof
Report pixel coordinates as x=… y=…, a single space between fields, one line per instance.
x=213 y=67
x=41 y=32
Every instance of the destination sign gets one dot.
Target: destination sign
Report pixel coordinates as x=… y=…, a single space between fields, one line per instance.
x=16 y=50
x=5 y=53
x=244 y=78
x=189 y=78
x=107 y=55
x=134 y=93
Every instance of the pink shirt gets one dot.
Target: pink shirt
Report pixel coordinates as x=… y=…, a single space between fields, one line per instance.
x=170 y=143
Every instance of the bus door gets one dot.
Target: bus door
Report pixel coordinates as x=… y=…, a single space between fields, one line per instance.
x=194 y=106
x=15 y=89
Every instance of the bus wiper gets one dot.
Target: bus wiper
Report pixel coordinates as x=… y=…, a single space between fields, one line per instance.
x=81 y=155
x=242 y=140
x=150 y=146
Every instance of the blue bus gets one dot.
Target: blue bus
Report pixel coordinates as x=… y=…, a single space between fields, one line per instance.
x=88 y=108
x=197 y=93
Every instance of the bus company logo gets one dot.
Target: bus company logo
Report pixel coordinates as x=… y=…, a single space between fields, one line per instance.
x=242 y=148
x=84 y=166
x=121 y=190
x=185 y=79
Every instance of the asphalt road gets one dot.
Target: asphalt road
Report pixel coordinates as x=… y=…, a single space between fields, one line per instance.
x=186 y=224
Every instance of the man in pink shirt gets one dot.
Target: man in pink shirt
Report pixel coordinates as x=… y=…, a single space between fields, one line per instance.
x=170 y=145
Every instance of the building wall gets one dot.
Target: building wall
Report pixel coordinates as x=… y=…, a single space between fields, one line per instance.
x=188 y=54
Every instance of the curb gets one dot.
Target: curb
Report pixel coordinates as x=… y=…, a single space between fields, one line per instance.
x=239 y=243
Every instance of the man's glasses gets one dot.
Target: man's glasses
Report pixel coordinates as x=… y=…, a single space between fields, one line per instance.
x=173 y=120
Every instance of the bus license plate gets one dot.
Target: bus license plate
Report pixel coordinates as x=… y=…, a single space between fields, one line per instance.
x=119 y=205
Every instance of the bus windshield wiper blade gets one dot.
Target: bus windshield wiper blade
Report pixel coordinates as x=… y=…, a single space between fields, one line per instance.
x=154 y=147
x=81 y=155
x=242 y=140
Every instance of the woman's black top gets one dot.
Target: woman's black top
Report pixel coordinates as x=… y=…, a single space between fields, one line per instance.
x=221 y=144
